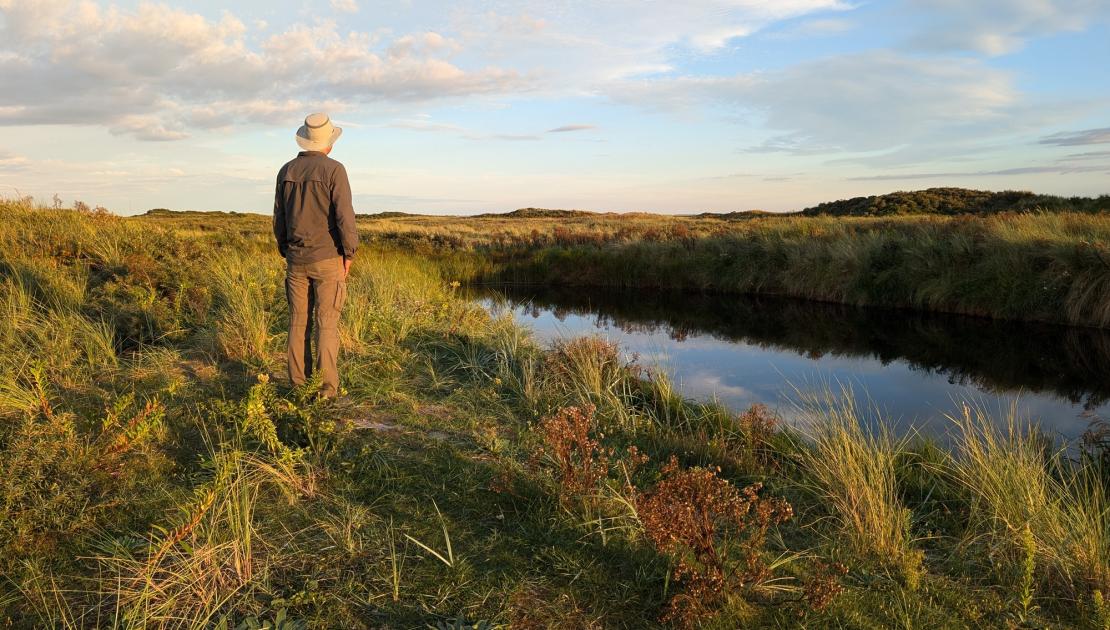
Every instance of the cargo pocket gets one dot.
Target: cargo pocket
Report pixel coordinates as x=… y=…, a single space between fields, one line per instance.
x=340 y=295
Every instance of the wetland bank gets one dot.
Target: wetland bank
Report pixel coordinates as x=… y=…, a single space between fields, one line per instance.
x=159 y=473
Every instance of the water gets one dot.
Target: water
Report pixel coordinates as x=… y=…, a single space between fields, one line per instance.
x=910 y=368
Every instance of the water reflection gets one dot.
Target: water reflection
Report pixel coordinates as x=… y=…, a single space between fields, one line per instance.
x=913 y=366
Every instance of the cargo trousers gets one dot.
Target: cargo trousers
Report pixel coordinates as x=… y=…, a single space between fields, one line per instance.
x=315 y=291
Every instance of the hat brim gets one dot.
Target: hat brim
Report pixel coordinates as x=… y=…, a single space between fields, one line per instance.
x=310 y=145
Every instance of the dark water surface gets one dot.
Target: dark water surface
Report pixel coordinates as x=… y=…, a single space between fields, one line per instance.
x=913 y=368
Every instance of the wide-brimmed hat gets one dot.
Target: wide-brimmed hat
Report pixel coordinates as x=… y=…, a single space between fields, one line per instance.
x=317 y=133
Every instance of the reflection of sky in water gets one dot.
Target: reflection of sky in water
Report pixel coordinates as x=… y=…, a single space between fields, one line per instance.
x=739 y=374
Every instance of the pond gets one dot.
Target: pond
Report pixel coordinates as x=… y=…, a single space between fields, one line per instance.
x=911 y=369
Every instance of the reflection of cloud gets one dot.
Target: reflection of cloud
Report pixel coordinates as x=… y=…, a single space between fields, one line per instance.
x=712 y=383
x=660 y=359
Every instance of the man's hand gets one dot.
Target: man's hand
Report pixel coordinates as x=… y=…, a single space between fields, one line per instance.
x=346 y=267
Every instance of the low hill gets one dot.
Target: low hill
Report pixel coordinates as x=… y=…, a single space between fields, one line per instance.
x=388 y=214
x=950 y=201
x=167 y=213
x=539 y=213
x=735 y=215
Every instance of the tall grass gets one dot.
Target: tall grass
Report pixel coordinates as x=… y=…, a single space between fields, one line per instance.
x=853 y=471
x=591 y=371
x=148 y=483
x=1029 y=265
x=1051 y=267
x=244 y=318
x=1019 y=487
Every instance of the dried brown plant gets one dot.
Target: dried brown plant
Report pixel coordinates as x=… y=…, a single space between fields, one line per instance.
x=687 y=516
x=825 y=584
x=579 y=460
x=758 y=426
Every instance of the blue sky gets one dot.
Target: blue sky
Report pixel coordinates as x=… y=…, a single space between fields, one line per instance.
x=622 y=105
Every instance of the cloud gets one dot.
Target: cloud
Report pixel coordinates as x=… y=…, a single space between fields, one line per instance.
x=1090 y=155
x=383 y=200
x=345 y=6
x=428 y=126
x=1078 y=138
x=159 y=73
x=996 y=27
x=814 y=28
x=514 y=137
x=579 y=44
x=1059 y=169
x=865 y=102
x=570 y=128
x=10 y=163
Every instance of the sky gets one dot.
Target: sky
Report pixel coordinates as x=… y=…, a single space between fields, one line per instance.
x=467 y=106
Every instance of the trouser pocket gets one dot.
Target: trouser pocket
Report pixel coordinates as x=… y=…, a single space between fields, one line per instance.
x=340 y=295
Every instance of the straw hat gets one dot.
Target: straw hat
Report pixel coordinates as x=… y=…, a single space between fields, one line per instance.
x=317 y=133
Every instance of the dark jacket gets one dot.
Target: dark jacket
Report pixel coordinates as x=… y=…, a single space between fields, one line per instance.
x=313 y=216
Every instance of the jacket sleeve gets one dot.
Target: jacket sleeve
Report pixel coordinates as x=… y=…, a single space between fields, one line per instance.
x=344 y=212
x=280 y=233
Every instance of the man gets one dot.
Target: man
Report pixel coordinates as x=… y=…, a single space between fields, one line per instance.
x=314 y=223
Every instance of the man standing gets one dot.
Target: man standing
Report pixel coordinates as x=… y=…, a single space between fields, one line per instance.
x=314 y=223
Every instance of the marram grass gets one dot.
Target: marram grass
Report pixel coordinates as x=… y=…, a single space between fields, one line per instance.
x=157 y=472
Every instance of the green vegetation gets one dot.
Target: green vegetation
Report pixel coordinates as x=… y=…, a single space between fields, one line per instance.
x=1032 y=258
x=1042 y=266
x=953 y=201
x=157 y=472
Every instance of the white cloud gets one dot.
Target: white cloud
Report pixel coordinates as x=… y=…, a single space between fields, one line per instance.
x=157 y=73
x=345 y=6
x=578 y=44
x=423 y=124
x=814 y=28
x=997 y=27
x=11 y=163
x=1079 y=138
x=874 y=101
x=570 y=128
x=1052 y=169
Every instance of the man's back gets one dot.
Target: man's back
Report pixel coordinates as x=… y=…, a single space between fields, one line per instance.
x=313 y=215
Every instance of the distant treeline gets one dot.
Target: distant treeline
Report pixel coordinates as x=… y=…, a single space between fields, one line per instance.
x=957 y=201
x=945 y=201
